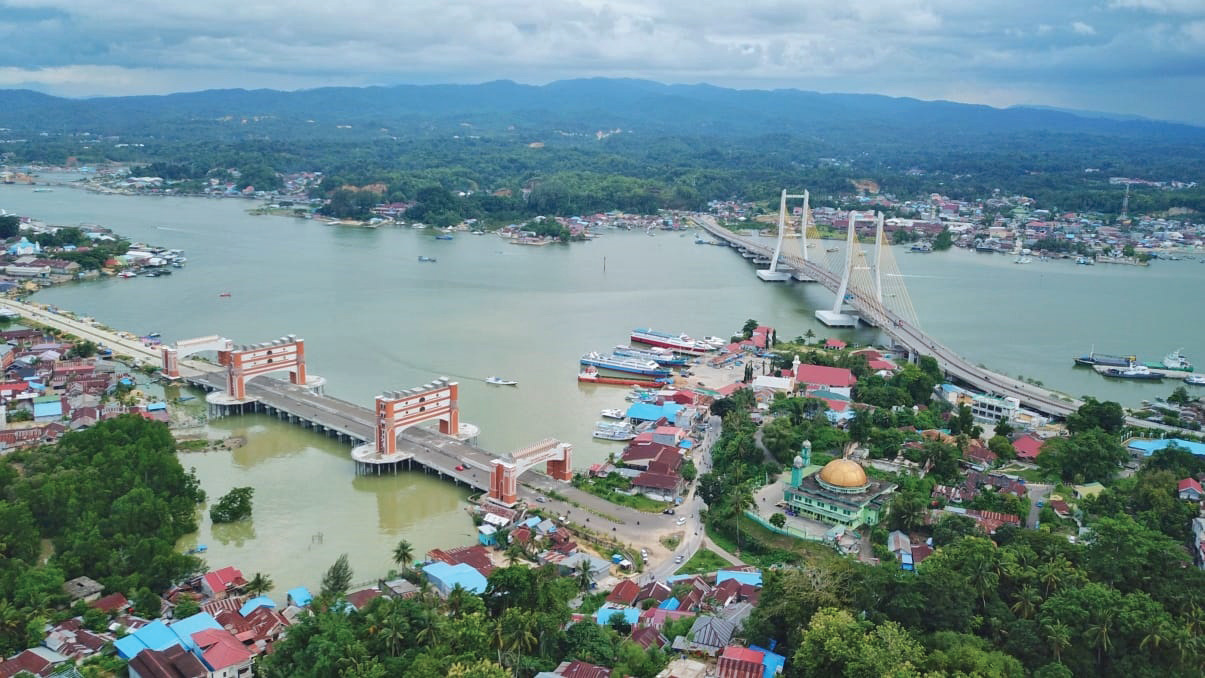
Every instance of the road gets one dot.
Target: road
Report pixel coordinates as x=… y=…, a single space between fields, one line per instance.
x=1036 y=492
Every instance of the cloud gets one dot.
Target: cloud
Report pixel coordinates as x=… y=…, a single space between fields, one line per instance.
x=913 y=47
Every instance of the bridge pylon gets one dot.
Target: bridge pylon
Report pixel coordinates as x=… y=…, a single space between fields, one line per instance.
x=837 y=317
x=774 y=273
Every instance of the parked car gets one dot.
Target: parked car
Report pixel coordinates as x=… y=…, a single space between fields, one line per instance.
x=460 y=467
x=542 y=499
x=668 y=512
x=681 y=521
x=678 y=559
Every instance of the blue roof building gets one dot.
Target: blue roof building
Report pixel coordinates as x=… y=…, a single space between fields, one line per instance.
x=299 y=596
x=184 y=628
x=750 y=578
x=154 y=407
x=445 y=577
x=1149 y=447
x=153 y=636
x=256 y=602
x=771 y=662
x=651 y=412
x=630 y=615
x=47 y=408
x=670 y=604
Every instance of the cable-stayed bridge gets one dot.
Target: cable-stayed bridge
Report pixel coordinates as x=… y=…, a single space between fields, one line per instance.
x=868 y=288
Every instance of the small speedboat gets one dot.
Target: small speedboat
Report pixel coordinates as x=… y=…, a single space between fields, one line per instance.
x=153 y=335
x=430 y=260
x=499 y=381
x=613 y=414
x=443 y=237
x=1195 y=379
x=224 y=294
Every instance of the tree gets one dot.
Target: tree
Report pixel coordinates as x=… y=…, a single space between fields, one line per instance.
x=778 y=520
x=186 y=608
x=952 y=527
x=1003 y=428
x=907 y=512
x=748 y=327
x=337 y=578
x=1091 y=455
x=260 y=583
x=943 y=241
x=836 y=644
x=403 y=554
x=10 y=225
x=1107 y=416
x=234 y=505
x=742 y=498
x=146 y=603
x=1001 y=447
x=1179 y=396
x=84 y=349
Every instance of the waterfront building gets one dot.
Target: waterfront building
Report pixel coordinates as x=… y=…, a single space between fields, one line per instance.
x=838 y=494
x=990 y=409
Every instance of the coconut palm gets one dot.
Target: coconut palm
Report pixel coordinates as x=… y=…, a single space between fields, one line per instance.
x=742 y=499
x=1027 y=600
x=1100 y=635
x=260 y=583
x=582 y=572
x=1058 y=635
x=403 y=554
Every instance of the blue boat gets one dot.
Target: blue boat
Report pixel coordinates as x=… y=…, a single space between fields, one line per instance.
x=661 y=357
x=443 y=237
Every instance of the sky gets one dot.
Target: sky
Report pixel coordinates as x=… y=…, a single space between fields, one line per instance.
x=1144 y=57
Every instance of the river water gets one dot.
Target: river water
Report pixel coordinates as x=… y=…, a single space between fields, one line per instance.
x=374 y=318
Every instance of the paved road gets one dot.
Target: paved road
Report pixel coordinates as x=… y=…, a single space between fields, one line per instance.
x=1036 y=492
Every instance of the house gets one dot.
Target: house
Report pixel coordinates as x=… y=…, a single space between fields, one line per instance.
x=222 y=653
x=740 y=662
x=1060 y=508
x=360 y=599
x=83 y=588
x=299 y=597
x=1189 y=489
x=656 y=617
x=834 y=344
x=663 y=484
x=580 y=669
x=979 y=456
x=647 y=636
x=31 y=661
x=836 y=379
x=605 y=613
x=708 y=635
x=445 y=577
x=1028 y=447
x=113 y=603
x=221 y=583
x=174 y=662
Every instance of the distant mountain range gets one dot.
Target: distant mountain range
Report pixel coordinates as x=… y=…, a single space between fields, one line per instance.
x=582 y=106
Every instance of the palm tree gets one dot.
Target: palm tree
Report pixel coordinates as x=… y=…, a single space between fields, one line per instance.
x=809 y=335
x=260 y=583
x=403 y=554
x=514 y=553
x=1027 y=602
x=520 y=638
x=583 y=575
x=393 y=631
x=742 y=499
x=1100 y=635
x=456 y=600
x=1059 y=637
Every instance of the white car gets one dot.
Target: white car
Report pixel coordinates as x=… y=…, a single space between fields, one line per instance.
x=681 y=521
x=678 y=559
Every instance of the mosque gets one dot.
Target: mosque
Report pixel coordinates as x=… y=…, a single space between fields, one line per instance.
x=840 y=493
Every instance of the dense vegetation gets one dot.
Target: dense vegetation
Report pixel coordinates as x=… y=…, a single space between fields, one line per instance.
x=113 y=500
x=678 y=146
x=234 y=505
x=517 y=624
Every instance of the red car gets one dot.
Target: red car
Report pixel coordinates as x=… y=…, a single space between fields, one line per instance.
x=460 y=467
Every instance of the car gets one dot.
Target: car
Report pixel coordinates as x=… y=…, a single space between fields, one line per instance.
x=678 y=559
x=1040 y=504
x=668 y=512
x=644 y=553
x=681 y=521
x=542 y=500
x=460 y=467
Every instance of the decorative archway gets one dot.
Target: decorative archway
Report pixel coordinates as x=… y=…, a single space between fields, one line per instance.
x=172 y=355
x=399 y=410
x=247 y=362
x=504 y=480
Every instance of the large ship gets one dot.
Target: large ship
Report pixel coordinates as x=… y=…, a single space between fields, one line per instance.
x=1173 y=361
x=677 y=343
x=1094 y=358
x=617 y=363
x=661 y=356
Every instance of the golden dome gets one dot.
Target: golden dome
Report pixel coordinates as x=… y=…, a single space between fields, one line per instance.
x=843 y=473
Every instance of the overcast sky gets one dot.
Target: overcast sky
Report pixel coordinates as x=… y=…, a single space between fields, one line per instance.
x=1131 y=56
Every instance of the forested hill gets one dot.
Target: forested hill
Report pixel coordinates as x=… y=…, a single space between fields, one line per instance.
x=583 y=106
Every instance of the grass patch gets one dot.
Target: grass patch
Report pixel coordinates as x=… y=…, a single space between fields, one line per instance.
x=609 y=488
x=785 y=549
x=671 y=542
x=704 y=560
x=1031 y=475
x=191 y=445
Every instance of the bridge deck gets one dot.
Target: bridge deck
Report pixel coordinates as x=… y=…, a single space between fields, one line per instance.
x=916 y=341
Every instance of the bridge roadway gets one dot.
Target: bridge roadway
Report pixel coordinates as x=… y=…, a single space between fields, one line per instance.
x=917 y=342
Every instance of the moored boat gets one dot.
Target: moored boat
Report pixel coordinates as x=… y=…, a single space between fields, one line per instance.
x=613 y=430
x=678 y=343
x=1141 y=372
x=613 y=414
x=661 y=356
x=616 y=363
x=1173 y=361
x=1195 y=379
x=1094 y=358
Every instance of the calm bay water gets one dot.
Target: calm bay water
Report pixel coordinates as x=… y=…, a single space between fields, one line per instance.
x=374 y=318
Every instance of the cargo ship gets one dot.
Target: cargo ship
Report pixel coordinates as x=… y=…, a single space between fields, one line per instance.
x=1133 y=372
x=661 y=356
x=677 y=343
x=590 y=375
x=1174 y=361
x=1094 y=358
x=617 y=363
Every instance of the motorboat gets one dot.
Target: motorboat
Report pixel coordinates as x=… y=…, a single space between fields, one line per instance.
x=1195 y=379
x=429 y=260
x=224 y=294
x=613 y=414
x=499 y=381
x=714 y=342
x=609 y=430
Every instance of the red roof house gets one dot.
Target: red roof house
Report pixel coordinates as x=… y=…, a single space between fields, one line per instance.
x=740 y=662
x=625 y=593
x=825 y=377
x=219 y=583
x=1189 y=489
x=1028 y=447
x=835 y=344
